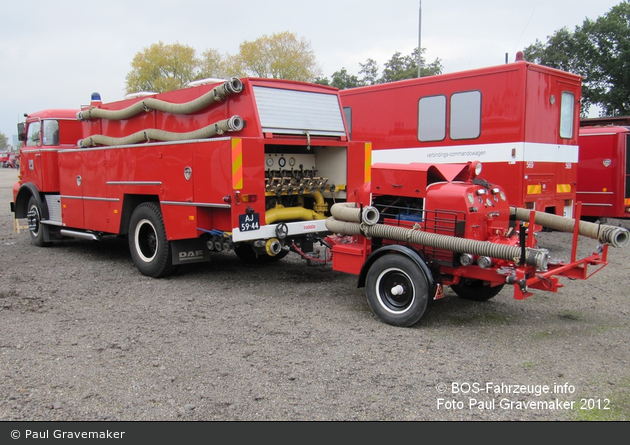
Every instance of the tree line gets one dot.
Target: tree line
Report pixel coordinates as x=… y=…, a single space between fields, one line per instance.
x=283 y=55
x=598 y=50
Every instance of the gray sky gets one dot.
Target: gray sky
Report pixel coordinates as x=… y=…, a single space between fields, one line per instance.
x=54 y=54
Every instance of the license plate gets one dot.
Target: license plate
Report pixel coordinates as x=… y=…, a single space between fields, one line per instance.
x=249 y=222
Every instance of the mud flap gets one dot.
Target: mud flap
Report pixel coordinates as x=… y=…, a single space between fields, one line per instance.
x=188 y=251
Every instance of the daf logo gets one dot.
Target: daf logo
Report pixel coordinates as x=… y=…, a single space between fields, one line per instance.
x=191 y=254
x=187 y=173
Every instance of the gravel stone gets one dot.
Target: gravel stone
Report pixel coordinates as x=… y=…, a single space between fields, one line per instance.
x=85 y=337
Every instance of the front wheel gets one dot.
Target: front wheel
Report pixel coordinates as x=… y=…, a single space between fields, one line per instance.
x=35 y=226
x=475 y=290
x=397 y=290
x=150 y=249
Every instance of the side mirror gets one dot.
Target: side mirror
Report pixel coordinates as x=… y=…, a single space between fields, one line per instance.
x=21 y=131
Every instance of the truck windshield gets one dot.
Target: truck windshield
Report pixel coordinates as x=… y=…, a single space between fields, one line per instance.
x=49 y=135
x=32 y=138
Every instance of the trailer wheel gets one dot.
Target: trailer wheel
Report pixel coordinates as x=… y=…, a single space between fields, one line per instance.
x=150 y=249
x=397 y=290
x=34 y=218
x=475 y=290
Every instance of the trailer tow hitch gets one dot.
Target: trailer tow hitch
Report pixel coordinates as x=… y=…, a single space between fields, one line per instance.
x=522 y=283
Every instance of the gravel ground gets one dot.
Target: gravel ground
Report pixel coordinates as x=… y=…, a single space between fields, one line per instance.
x=84 y=336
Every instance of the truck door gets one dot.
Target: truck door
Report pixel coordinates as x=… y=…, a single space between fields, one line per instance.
x=70 y=184
x=31 y=154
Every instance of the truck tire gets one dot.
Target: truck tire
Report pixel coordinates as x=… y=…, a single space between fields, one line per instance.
x=475 y=290
x=397 y=290
x=150 y=249
x=36 y=229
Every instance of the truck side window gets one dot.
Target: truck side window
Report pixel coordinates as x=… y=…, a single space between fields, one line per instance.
x=51 y=132
x=465 y=115
x=432 y=118
x=347 y=114
x=32 y=137
x=567 y=107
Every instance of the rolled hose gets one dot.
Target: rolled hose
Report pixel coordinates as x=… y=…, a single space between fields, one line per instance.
x=235 y=123
x=218 y=93
x=350 y=211
x=533 y=257
x=606 y=234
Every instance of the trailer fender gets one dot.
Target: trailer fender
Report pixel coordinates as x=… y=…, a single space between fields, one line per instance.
x=401 y=250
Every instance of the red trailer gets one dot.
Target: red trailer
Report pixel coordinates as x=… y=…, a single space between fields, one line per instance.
x=519 y=119
x=604 y=168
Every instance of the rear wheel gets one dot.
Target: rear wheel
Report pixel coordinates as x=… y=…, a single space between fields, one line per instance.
x=150 y=249
x=475 y=290
x=397 y=290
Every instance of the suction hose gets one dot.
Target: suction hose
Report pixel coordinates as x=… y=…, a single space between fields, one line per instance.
x=235 y=123
x=533 y=257
x=606 y=234
x=350 y=211
x=218 y=93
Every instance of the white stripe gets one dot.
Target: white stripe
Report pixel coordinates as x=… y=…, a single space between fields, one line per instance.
x=504 y=152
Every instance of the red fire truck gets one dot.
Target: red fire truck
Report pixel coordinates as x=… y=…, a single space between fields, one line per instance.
x=250 y=165
x=604 y=168
x=265 y=167
x=519 y=119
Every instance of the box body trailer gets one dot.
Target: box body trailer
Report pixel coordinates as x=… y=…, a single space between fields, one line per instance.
x=519 y=119
x=604 y=168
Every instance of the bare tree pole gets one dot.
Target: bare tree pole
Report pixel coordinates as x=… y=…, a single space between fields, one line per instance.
x=419 y=38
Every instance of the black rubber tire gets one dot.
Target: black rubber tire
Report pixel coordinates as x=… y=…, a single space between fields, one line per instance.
x=149 y=247
x=36 y=228
x=389 y=272
x=475 y=290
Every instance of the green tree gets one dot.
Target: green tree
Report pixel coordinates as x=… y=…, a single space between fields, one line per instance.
x=4 y=141
x=369 y=70
x=599 y=50
x=161 y=67
x=398 y=67
x=342 y=80
x=401 y=67
x=279 y=56
x=213 y=64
